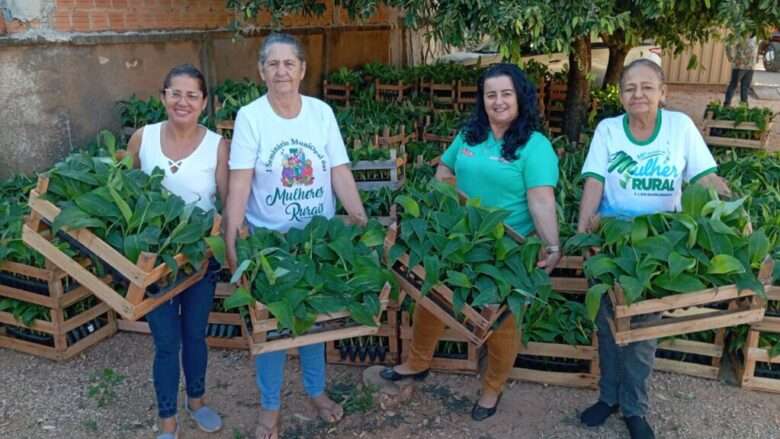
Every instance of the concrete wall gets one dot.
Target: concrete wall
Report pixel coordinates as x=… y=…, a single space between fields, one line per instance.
x=59 y=87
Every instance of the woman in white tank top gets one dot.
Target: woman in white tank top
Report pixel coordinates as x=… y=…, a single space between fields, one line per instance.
x=195 y=163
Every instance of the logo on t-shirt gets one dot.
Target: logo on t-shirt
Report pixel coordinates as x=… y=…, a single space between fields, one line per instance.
x=651 y=173
x=296 y=169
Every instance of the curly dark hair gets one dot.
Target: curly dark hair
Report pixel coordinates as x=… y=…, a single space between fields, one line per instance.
x=475 y=130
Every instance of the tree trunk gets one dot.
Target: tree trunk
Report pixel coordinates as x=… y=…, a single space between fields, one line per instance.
x=618 y=50
x=578 y=92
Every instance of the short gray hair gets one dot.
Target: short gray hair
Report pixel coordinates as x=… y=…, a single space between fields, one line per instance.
x=646 y=62
x=280 y=38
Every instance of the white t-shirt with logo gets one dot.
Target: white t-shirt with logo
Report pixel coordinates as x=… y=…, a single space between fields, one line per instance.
x=292 y=159
x=646 y=177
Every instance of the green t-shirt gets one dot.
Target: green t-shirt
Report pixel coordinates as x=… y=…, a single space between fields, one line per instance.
x=482 y=173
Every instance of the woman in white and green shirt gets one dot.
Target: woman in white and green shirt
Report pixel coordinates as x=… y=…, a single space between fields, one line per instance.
x=637 y=164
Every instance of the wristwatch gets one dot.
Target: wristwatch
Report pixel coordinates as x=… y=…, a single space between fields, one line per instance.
x=553 y=249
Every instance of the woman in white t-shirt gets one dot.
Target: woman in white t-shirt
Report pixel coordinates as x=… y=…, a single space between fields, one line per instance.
x=636 y=165
x=195 y=163
x=287 y=159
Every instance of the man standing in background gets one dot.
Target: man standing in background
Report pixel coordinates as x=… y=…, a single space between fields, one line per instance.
x=742 y=55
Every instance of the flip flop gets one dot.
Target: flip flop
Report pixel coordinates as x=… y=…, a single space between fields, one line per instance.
x=331 y=412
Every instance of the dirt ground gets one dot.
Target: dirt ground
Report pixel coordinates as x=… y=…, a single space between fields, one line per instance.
x=40 y=399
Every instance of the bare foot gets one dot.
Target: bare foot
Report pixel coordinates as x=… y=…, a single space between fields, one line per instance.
x=330 y=411
x=404 y=369
x=168 y=425
x=488 y=399
x=267 y=425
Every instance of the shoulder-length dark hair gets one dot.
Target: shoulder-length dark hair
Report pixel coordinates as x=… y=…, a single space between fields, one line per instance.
x=476 y=129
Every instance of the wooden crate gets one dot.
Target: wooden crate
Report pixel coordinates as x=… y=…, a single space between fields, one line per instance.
x=336 y=93
x=466 y=95
x=140 y=275
x=263 y=337
x=710 y=128
x=467 y=364
x=753 y=356
x=394 y=92
x=476 y=327
x=401 y=138
x=393 y=171
x=441 y=96
x=217 y=321
x=342 y=352
x=62 y=337
x=580 y=370
x=743 y=306
x=696 y=358
x=568 y=276
x=554 y=105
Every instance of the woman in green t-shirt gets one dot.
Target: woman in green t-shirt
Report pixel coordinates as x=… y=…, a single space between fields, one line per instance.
x=500 y=158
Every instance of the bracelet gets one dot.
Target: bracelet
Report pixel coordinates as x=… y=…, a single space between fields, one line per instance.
x=553 y=249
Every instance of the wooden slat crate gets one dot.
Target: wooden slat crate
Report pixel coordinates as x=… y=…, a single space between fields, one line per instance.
x=371 y=175
x=351 y=352
x=466 y=363
x=467 y=96
x=694 y=358
x=225 y=330
x=711 y=130
x=743 y=306
x=476 y=326
x=568 y=276
x=394 y=92
x=440 y=96
x=558 y=364
x=554 y=105
x=337 y=93
x=140 y=275
x=61 y=337
x=263 y=336
x=755 y=358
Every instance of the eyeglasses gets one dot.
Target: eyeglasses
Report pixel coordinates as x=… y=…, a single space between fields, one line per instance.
x=177 y=95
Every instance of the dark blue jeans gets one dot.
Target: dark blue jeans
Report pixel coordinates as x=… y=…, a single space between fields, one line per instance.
x=179 y=327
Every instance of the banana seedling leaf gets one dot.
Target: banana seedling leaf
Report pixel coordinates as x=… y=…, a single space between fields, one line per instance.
x=362 y=314
x=432 y=267
x=458 y=279
x=593 y=299
x=599 y=265
x=242 y=267
x=283 y=313
x=758 y=245
x=410 y=206
x=725 y=264
x=170 y=261
x=373 y=237
x=124 y=208
x=682 y=283
x=639 y=230
x=488 y=293
x=679 y=264
x=239 y=298
x=187 y=234
x=217 y=246
x=71 y=217
x=748 y=281
x=632 y=288
x=694 y=198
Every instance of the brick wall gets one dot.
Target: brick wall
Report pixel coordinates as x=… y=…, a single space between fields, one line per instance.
x=135 y=15
x=145 y=15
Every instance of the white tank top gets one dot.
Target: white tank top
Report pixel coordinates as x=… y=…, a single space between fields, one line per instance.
x=195 y=179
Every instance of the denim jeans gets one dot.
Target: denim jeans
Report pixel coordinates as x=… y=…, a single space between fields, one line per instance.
x=270 y=374
x=624 y=369
x=742 y=76
x=179 y=331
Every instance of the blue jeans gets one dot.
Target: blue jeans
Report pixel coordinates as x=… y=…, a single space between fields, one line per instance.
x=179 y=326
x=624 y=369
x=270 y=374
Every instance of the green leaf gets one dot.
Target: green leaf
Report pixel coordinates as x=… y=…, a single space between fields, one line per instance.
x=725 y=264
x=283 y=313
x=410 y=206
x=242 y=267
x=593 y=299
x=432 y=267
x=758 y=246
x=124 y=208
x=458 y=279
x=217 y=246
x=682 y=283
x=239 y=298
x=679 y=263
x=72 y=218
x=632 y=288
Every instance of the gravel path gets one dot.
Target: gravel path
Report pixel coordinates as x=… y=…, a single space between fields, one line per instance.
x=41 y=399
